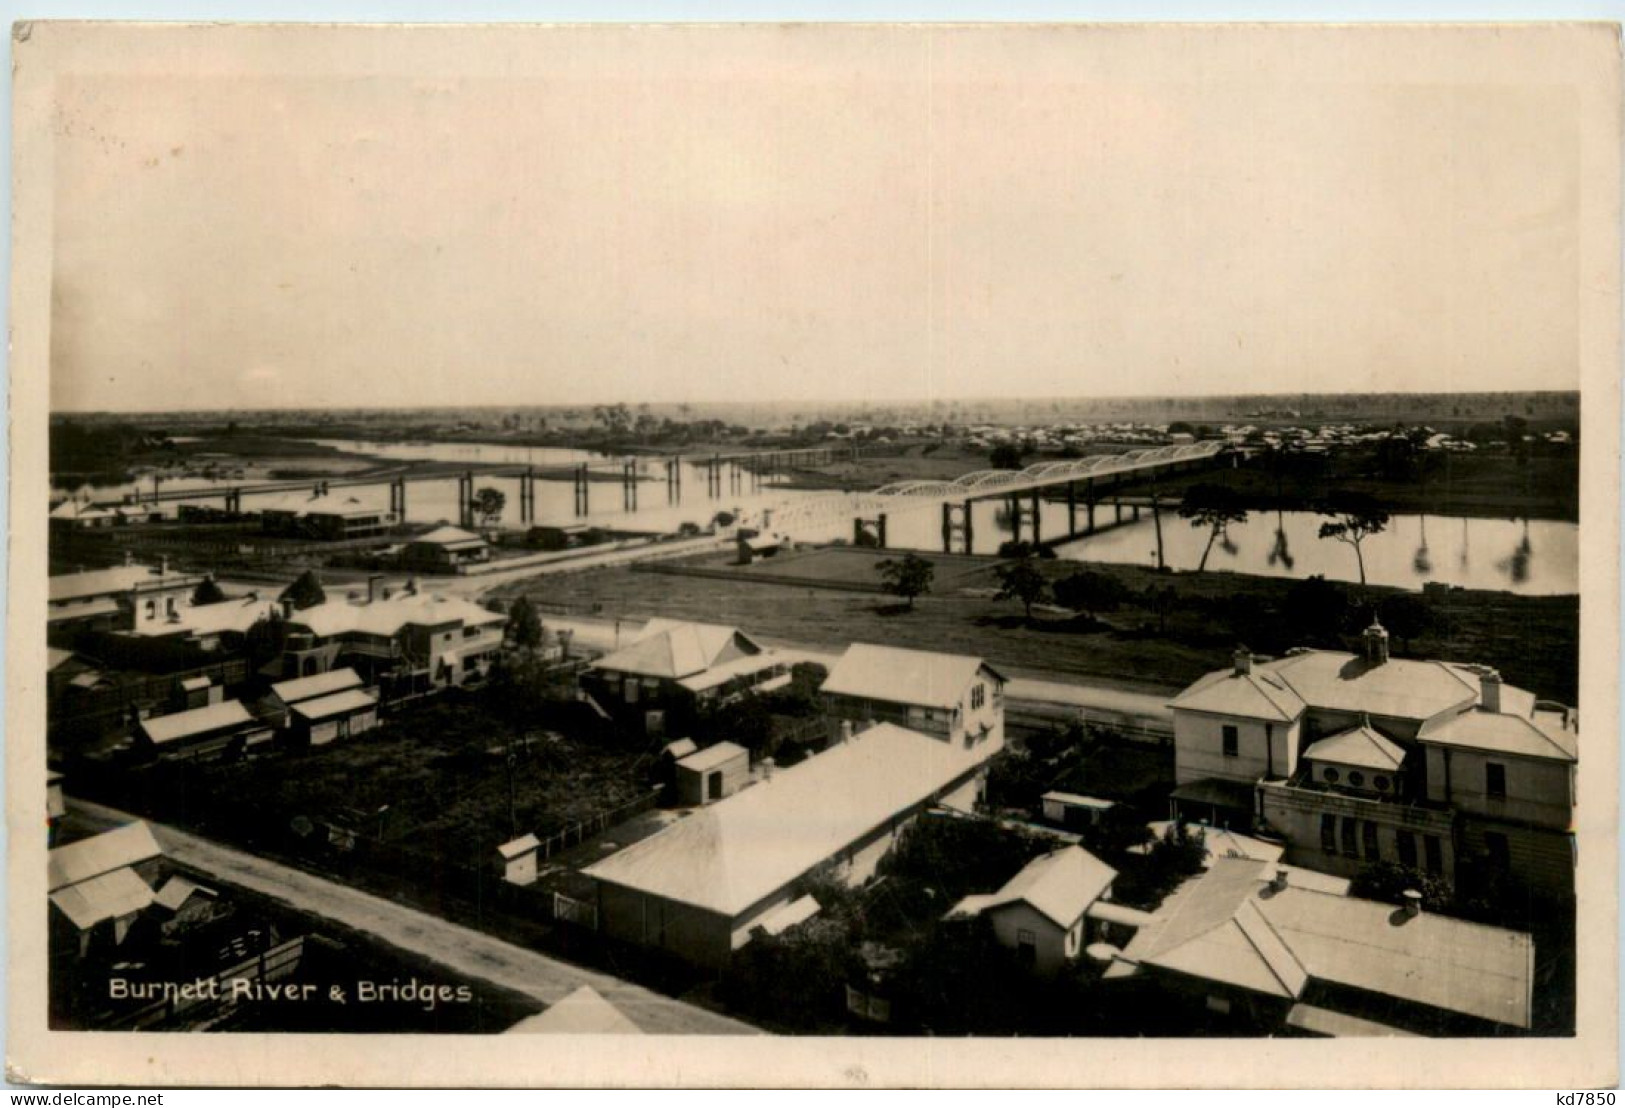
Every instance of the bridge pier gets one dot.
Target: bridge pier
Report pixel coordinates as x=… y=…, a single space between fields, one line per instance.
x=1038 y=527
x=734 y=478
x=234 y=501
x=713 y=477
x=581 y=486
x=880 y=530
x=527 y=496
x=674 y=480
x=956 y=519
x=397 y=497
x=465 y=499
x=629 y=487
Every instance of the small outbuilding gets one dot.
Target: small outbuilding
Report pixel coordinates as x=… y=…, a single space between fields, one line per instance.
x=712 y=774
x=519 y=860
x=207 y=732
x=1075 y=812
x=339 y=716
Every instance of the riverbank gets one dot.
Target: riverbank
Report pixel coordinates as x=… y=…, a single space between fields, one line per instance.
x=1165 y=631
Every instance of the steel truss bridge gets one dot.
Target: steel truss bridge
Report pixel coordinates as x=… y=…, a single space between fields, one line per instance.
x=871 y=511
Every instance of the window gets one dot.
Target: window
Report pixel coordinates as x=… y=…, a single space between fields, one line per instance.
x=152 y=609
x=1373 y=852
x=978 y=696
x=1328 y=833
x=1500 y=856
x=1495 y=781
x=1219 y=1005
x=1381 y=783
x=1331 y=775
x=1434 y=853
x=1351 y=843
x=1026 y=946
x=1232 y=741
x=1406 y=841
x=1356 y=778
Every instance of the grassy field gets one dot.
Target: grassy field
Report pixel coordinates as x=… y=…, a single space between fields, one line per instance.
x=837 y=566
x=1532 y=640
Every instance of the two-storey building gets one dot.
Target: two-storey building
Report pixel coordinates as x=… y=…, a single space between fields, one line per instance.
x=1353 y=759
x=955 y=697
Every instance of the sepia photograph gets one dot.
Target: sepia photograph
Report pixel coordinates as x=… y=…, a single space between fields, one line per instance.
x=738 y=553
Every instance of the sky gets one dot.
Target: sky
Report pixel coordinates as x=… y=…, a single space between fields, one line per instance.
x=867 y=214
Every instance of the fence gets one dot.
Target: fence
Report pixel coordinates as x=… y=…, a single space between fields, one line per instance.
x=578 y=833
x=582 y=913
x=210 y=1002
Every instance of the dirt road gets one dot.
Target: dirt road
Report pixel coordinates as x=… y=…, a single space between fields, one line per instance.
x=459 y=949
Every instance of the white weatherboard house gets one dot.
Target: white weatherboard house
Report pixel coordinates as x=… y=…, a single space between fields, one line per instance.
x=1041 y=911
x=102 y=884
x=1353 y=759
x=953 y=696
x=700 y=887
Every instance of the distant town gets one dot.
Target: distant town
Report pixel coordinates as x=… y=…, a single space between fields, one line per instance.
x=1224 y=716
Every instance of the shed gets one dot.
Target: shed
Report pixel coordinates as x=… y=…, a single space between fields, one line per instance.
x=713 y=773
x=338 y=716
x=519 y=860
x=199 y=692
x=204 y=732
x=1075 y=812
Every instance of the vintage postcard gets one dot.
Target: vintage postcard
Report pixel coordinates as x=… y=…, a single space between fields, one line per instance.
x=818 y=555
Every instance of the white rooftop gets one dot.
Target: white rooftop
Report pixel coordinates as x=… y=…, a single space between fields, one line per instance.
x=899 y=676
x=197 y=721
x=128 y=845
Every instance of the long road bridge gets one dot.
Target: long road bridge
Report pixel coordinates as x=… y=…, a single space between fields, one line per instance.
x=1085 y=482
x=731 y=470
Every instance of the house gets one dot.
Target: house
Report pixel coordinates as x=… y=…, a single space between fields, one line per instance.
x=953 y=696
x=1266 y=956
x=62 y=667
x=444 y=550
x=82 y=515
x=1040 y=912
x=699 y=888
x=1352 y=759
x=712 y=774
x=754 y=546
x=218 y=730
x=127 y=597
x=325 y=517
x=222 y=626
x=673 y=669
x=181 y=902
x=409 y=641
x=99 y=886
x=286 y=694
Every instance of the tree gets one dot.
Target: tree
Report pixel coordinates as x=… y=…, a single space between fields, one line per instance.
x=1006 y=455
x=524 y=625
x=1089 y=592
x=1215 y=507
x=305 y=592
x=207 y=592
x=488 y=505
x=1021 y=580
x=1387 y=881
x=907 y=577
x=1355 y=517
x=1316 y=609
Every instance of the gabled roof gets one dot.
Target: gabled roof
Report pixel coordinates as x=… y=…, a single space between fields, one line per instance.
x=129 y=845
x=387 y=618
x=583 y=1012
x=523 y=845
x=672 y=649
x=1060 y=886
x=320 y=684
x=1228 y=925
x=450 y=536
x=730 y=855
x=1505 y=733
x=1210 y=928
x=899 y=676
x=679 y=749
x=338 y=704
x=1358 y=746
x=177 y=890
x=102 y=898
x=713 y=756
x=198 y=721
x=115 y=579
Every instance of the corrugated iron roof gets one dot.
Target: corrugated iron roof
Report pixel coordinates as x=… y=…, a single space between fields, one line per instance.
x=713 y=756
x=319 y=684
x=583 y=1012
x=1504 y=733
x=673 y=649
x=732 y=854
x=197 y=721
x=898 y=676
x=129 y=845
x=102 y=898
x=1358 y=746
x=1060 y=886
x=338 y=704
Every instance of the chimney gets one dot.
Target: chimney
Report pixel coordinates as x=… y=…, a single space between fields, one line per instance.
x=846 y=732
x=1413 y=903
x=411 y=586
x=374 y=586
x=768 y=765
x=1244 y=661
x=1376 y=644
x=163 y=565
x=287 y=608
x=1489 y=691
x=1278 y=883
x=129 y=557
